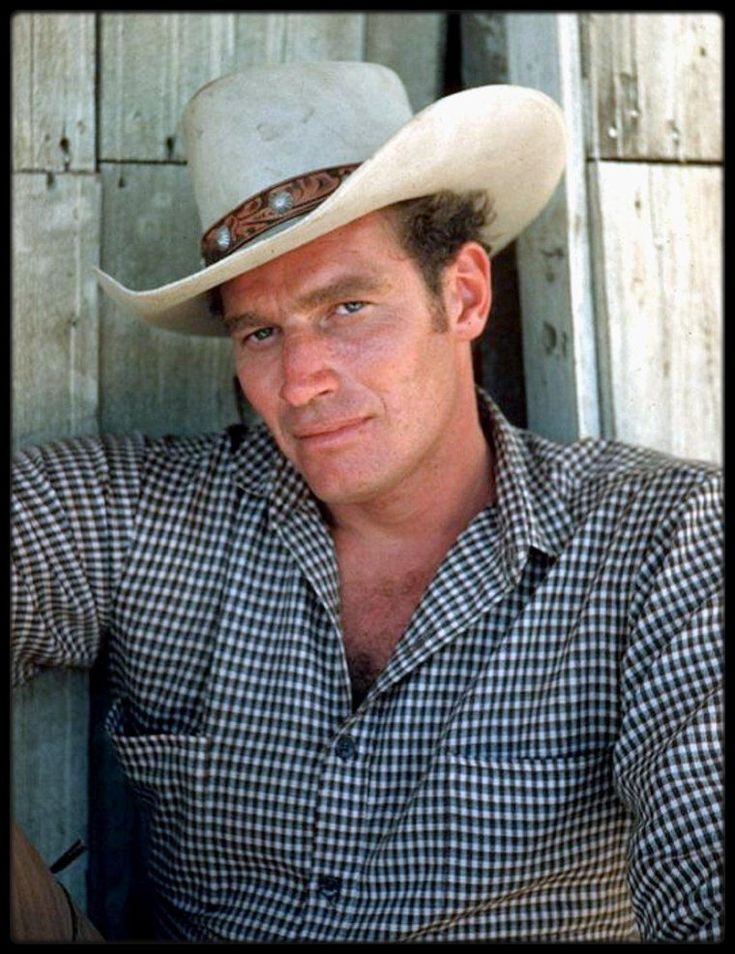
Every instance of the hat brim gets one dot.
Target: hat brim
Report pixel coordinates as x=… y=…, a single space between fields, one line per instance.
x=508 y=141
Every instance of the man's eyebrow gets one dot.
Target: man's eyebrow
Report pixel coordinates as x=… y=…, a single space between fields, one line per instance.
x=345 y=288
x=246 y=319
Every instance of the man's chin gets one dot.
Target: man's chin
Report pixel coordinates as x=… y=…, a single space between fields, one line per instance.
x=334 y=488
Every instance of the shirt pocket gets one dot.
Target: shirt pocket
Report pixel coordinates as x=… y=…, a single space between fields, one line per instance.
x=512 y=823
x=168 y=772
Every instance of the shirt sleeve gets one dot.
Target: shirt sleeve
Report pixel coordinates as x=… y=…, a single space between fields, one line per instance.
x=72 y=511
x=668 y=758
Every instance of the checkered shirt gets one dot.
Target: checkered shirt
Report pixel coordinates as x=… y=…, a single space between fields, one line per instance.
x=539 y=760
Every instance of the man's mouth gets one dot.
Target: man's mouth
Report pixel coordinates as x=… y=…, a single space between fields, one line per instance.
x=329 y=431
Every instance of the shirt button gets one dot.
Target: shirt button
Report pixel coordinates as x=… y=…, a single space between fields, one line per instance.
x=329 y=887
x=345 y=748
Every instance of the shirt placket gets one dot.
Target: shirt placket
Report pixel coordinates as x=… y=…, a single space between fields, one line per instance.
x=339 y=810
x=334 y=889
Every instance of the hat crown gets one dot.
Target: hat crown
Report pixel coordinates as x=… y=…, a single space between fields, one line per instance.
x=249 y=130
x=273 y=151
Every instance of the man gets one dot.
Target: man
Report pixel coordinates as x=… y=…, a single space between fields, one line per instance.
x=385 y=667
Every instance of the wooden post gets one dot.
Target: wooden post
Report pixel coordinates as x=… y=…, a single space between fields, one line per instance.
x=553 y=253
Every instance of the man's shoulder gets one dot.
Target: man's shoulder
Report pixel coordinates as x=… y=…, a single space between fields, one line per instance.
x=240 y=451
x=83 y=451
x=78 y=459
x=590 y=469
x=174 y=456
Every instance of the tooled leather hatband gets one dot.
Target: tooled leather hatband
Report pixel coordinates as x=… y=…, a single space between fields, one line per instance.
x=274 y=205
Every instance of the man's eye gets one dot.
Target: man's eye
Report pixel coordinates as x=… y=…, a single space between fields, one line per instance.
x=349 y=307
x=259 y=335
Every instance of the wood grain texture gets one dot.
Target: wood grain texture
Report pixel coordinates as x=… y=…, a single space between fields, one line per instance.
x=412 y=44
x=317 y=36
x=484 y=48
x=658 y=254
x=50 y=736
x=150 y=65
x=553 y=253
x=53 y=105
x=655 y=85
x=155 y=381
x=56 y=228
x=153 y=63
x=298 y=37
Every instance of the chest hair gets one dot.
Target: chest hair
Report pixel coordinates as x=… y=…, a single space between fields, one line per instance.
x=375 y=612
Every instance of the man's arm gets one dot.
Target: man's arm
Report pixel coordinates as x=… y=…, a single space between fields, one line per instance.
x=73 y=506
x=72 y=510
x=668 y=759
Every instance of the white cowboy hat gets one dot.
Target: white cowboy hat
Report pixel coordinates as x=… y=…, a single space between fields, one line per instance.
x=280 y=155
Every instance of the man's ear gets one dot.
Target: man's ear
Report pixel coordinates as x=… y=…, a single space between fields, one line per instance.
x=467 y=291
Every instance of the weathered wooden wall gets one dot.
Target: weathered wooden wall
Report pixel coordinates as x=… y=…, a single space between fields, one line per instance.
x=619 y=278
x=654 y=147
x=99 y=179
x=56 y=238
x=621 y=275
x=558 y=318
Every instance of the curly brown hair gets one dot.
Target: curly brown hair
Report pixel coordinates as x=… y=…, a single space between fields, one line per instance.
x=433 y=227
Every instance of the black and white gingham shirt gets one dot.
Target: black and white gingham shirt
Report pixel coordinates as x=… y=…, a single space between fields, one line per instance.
x=539 y=760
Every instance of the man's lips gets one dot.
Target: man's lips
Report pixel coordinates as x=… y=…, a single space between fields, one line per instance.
x=328 y=430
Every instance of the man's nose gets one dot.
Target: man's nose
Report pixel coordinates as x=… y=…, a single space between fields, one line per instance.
x=308 y=371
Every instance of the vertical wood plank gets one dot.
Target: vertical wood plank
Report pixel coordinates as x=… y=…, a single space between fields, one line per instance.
x=150 y=66
x=56 y=228
x=259 y=38
x=153 y=63
x=22 y=96
x=281 y=37
x=323 y=36
x=54 y=376
x=658 y=233
x=53 y=103
x=655 y=85
x=484 y=48
x=553 y=253
x=412 y=44
x=50 y=767
x=156 y=381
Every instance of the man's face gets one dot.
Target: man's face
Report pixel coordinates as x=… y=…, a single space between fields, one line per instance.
x=337 y=348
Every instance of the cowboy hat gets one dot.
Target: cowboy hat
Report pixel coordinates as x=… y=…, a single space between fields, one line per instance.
x=280 y=155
